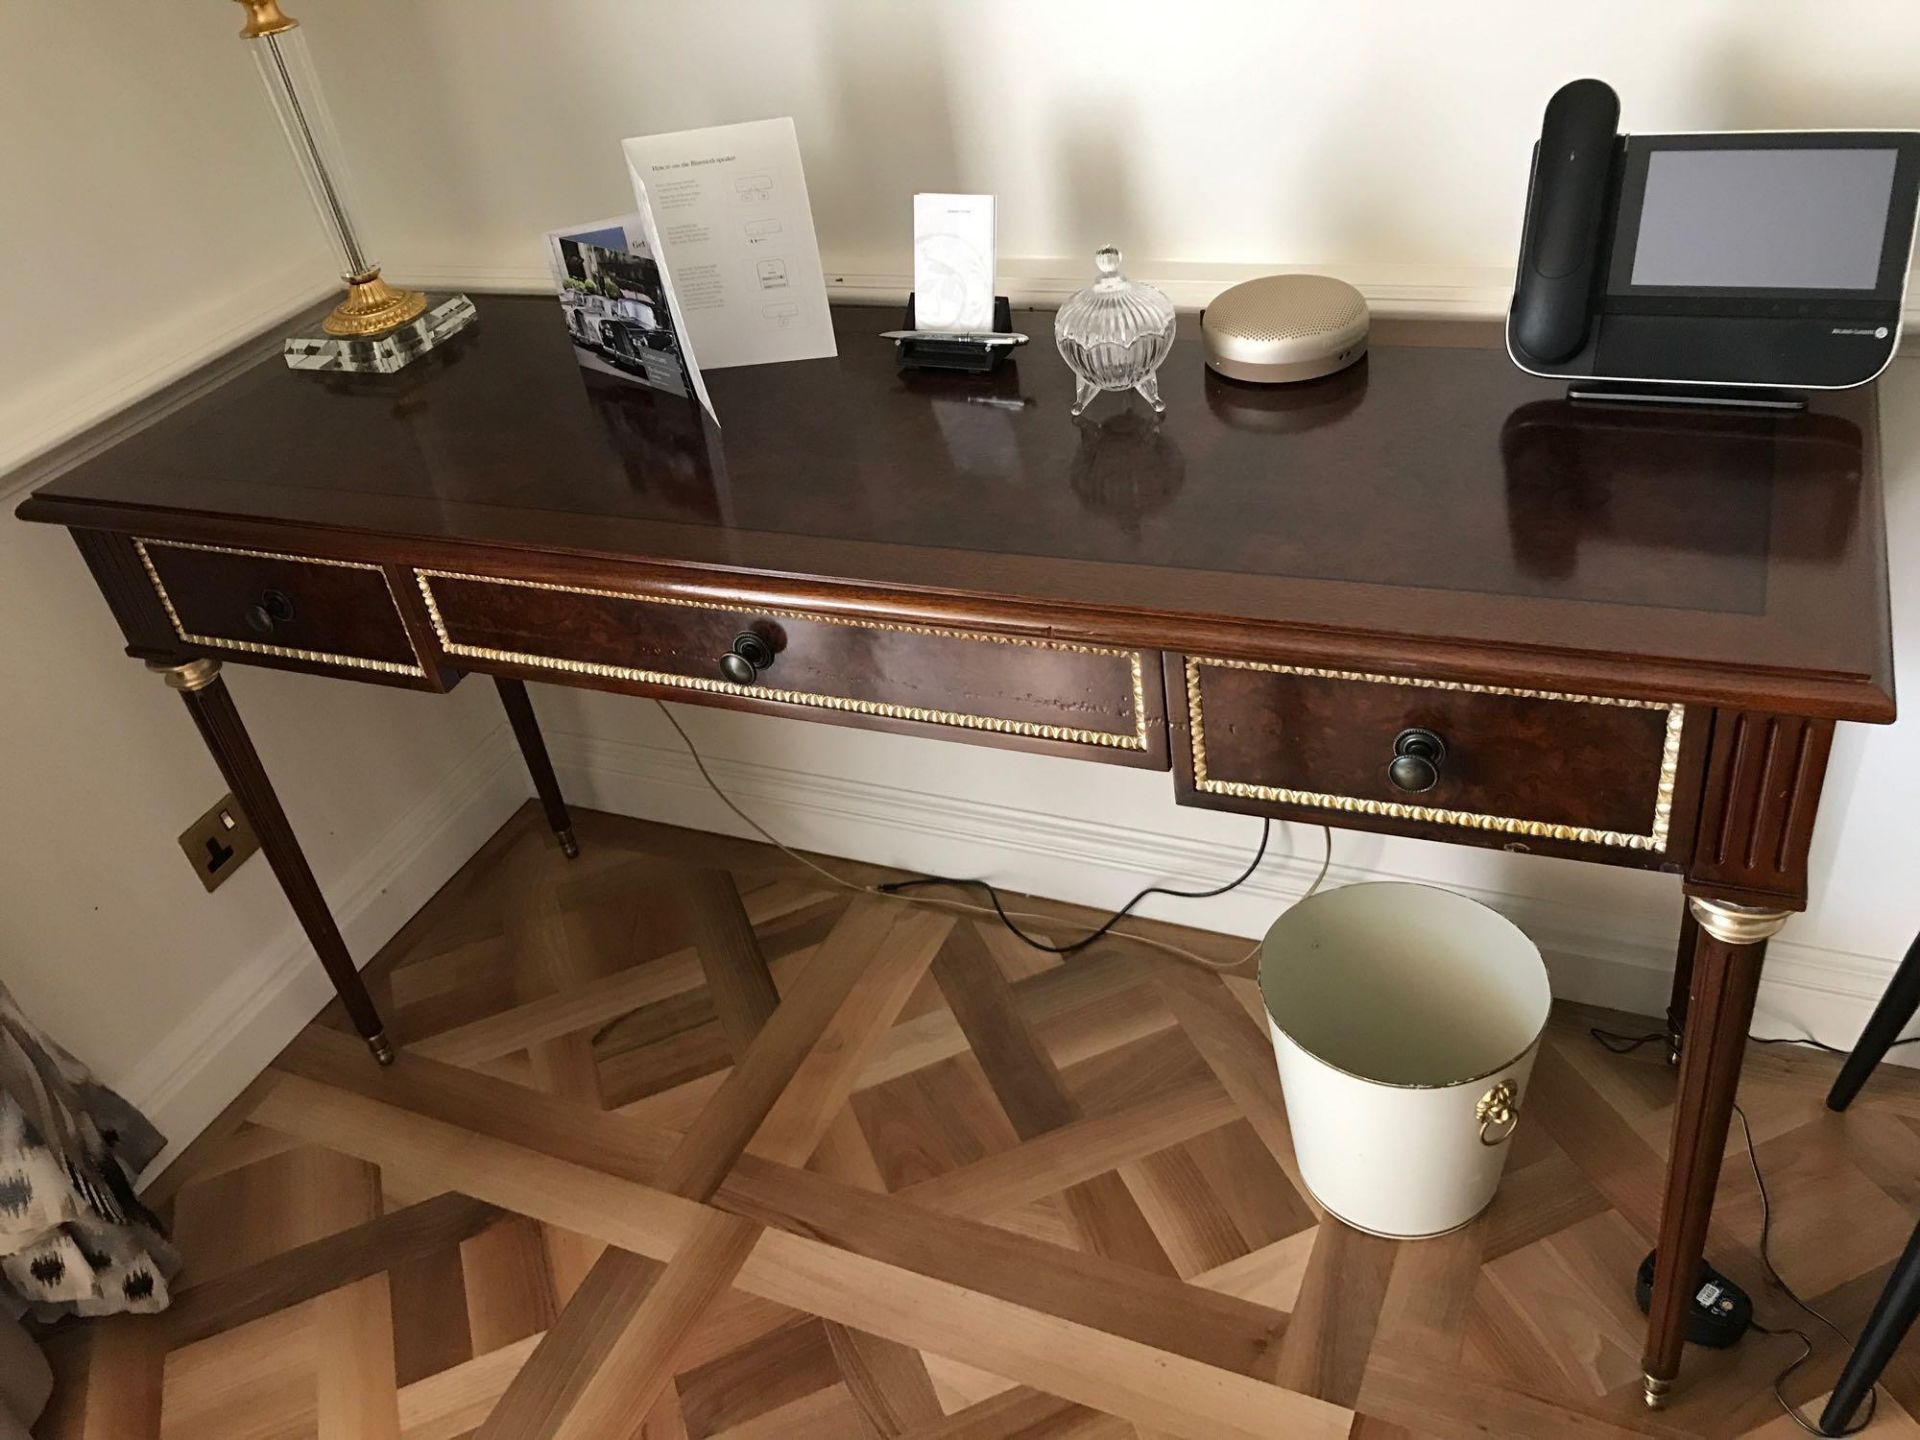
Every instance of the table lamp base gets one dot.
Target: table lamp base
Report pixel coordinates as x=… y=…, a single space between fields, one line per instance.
x=442 y=317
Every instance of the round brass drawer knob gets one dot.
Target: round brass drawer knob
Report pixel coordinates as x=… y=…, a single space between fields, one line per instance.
x=754 y=648
x=272 y=608
x=751 y=653
x=1417 y=756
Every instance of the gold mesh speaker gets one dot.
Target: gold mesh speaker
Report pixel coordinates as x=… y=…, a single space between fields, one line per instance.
x=1282 y=328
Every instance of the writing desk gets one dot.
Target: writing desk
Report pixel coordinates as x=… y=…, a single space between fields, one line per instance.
x=1633 y=632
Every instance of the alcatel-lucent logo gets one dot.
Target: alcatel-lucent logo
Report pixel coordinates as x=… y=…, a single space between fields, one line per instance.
x=1879 y=332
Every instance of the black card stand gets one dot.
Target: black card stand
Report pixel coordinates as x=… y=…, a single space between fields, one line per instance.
x=969 y=356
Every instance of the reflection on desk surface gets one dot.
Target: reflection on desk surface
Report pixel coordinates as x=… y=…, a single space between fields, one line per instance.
x=1431 y=466
x=1586 y=481
x=668 y=447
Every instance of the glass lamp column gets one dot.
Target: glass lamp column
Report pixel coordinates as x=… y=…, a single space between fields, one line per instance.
x=375 y=326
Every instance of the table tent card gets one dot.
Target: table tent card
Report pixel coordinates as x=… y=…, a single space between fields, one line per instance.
x=725 y=212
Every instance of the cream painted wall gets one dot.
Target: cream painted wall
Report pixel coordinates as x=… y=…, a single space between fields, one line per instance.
x=1388 y=138
x=147 y=209
x=151 y=218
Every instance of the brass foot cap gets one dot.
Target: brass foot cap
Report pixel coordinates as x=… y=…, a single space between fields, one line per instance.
x=189 y=675
x=381 y=1047
x=569 y=846
x=1657 y=1392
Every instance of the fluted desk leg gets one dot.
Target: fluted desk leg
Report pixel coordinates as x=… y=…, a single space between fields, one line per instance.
x=1731 y=942
x=207 y=700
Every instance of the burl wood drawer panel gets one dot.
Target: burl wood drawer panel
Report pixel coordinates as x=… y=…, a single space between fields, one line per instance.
x=1109 y=700
x=291 y=607
x=1526 y=763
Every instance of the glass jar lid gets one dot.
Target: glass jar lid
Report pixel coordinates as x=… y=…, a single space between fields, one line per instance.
x=1113 y=310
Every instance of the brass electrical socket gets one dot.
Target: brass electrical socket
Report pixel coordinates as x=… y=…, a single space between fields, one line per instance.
x=218 y=842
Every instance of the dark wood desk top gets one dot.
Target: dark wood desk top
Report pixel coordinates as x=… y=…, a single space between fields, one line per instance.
x=1431 y=511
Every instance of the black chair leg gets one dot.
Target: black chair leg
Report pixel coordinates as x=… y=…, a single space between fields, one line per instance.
x=1893 y=1314
x=1889 y=1018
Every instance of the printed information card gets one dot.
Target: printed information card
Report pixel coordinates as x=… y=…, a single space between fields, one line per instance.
x=616 y=300
x=726 y=214
x=953 y=263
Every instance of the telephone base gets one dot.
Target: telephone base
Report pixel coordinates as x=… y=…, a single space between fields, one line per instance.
x=1696 y=397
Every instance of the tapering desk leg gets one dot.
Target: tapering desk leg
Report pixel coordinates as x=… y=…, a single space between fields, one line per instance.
x=207 y=700
x=526 y=729
x=1682 y=982
x=1731 y=940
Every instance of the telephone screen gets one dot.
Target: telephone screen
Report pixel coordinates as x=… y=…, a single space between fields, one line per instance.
x=1764 y=219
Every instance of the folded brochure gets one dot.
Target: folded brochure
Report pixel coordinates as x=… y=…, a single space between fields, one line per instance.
x=619 y=307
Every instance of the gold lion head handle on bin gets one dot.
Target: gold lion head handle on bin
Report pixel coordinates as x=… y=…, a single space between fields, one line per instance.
x=1498 y=1113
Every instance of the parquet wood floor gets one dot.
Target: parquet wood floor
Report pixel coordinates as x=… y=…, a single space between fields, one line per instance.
x=667 y=1158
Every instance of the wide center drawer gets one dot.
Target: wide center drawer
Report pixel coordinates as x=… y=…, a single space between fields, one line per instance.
x=1068 y=694
x=1521 y=763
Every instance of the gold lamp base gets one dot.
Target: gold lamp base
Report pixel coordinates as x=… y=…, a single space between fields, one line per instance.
x=373 y=307
x=396 y=328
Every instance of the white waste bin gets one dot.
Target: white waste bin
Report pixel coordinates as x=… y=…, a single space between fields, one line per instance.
x=1405 y=1020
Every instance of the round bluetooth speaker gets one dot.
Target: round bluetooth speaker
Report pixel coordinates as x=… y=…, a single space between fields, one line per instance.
x=1284 y=328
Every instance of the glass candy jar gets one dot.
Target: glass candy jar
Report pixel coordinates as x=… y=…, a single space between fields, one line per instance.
x=1114 y=334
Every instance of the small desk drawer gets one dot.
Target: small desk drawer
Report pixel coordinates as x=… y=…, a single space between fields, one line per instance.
x=1063 y=696
x=325 y=612
x=1523 y=763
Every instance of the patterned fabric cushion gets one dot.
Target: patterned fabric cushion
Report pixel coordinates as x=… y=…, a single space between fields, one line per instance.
x=74 y=1237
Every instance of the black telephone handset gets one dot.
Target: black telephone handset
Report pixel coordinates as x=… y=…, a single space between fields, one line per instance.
x=1572 y=171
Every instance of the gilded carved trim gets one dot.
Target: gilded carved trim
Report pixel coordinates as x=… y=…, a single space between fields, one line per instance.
x=256 y=647
x=1137 y=740
x=1654 y=840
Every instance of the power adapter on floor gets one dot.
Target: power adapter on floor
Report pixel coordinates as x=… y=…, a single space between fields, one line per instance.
x=1721 y=1311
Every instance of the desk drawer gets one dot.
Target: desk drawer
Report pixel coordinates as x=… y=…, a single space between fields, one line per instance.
x=1522 y=763
x=296 y=608
x=1069 y=698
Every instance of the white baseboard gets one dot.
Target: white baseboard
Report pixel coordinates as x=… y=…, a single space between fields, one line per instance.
x=1422 y=291
x=198 y=1067
x=1594 y=957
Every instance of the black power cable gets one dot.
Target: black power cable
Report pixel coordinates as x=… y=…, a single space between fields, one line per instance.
x=1626 y=1044
x=896 y=889
x=1074 y=947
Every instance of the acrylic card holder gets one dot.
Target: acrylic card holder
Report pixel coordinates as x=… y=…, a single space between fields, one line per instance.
x=969 y=354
